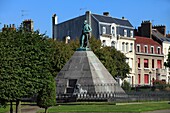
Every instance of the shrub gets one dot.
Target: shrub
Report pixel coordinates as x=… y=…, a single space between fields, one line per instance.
x=126 y=86
x=159 y=84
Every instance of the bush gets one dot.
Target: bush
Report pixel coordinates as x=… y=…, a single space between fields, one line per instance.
x=126 y=86
x=158 y=84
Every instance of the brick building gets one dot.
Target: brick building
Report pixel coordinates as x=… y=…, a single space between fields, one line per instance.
x=149 y=60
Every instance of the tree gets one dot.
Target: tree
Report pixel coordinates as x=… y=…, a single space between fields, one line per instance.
x=47 y=95
x=25 y=62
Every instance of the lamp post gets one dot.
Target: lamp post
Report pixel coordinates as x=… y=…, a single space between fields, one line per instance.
x=150 y=77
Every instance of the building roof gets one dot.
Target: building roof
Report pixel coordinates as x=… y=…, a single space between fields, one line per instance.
x=146 y=41
x=159 y=36
x=109 y=19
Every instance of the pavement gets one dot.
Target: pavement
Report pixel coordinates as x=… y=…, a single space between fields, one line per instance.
x=28 y=109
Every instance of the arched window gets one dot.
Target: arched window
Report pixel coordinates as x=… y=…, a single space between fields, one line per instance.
x=131 y=47
x=112 y=44
x=104 y=43
x=127 y=47
x=123 y=46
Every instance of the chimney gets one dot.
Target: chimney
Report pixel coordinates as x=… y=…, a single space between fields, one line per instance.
x=161 y=29
x=13 y=25
x=88 y=18
x=54 y=23
x=5 y=26
x=54 y=19
x=123 y=17
x=146 y=29
x=106 y=13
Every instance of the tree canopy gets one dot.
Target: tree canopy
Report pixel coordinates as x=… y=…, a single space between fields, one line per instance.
x=25 y=64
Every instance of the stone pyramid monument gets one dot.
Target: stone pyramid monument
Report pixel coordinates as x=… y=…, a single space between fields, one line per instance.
x=84 y=73
x=84 y=70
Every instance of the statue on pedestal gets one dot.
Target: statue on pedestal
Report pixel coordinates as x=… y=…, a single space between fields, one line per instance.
x=84 y=39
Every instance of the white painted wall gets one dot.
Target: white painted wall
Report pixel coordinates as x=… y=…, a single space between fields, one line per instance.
x=165 y=47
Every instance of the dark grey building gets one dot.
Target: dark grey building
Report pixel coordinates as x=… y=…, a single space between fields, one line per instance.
x=104 y=27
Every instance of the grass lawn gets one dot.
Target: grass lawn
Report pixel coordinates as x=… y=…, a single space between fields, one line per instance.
x=122 y=107
x=3 y=110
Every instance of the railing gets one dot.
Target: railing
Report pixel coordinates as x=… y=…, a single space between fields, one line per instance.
x=113 y=96
x=116 y=97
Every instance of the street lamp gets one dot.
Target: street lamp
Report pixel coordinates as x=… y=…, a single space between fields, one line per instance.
x=128 y=52
x=127 y=59
x=150 y=77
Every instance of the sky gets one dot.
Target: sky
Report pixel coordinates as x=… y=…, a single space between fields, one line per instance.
x=41 y=11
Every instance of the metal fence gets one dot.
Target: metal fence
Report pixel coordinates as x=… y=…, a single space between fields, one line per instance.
x=113 y=96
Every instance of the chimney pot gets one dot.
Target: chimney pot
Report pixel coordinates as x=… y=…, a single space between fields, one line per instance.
x=106 y=13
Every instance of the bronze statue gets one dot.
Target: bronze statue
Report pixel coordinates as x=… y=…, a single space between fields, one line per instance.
x=84 y=40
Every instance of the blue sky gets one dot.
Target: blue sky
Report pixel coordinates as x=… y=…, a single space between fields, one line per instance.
x=41 y=11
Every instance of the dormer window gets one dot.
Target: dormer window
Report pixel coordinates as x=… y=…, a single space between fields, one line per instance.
x=138 y=48
x=159 y=50
x=113 y=31
x=146 y=49
x=152 y=50
x=104 y=30
x=125 y=33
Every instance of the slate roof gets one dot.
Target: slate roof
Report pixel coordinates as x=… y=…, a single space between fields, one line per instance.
x=159 y=36
x=109 y=19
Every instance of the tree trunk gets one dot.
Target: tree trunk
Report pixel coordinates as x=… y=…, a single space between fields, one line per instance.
x=46 y=110
x=18 y=104
x=11 y=108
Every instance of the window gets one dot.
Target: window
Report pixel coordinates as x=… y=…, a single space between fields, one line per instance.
x=165 y=50
x=138 y=48
x=146 y=48
x=125 y=33
x=152 y=63
x=127 y=60
x=112 y=44
x=104 y=30
x=127 y=47
x=138 y=62
x=146 y=78
x=159 y=64
x=159 y=51
x=131 y=63
x=146 y=63
x=138 y=78
x=104 y=43
x=131 y=33
x=113 y=31
x=131 y=47
x=152 y=49
x=123 y=46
